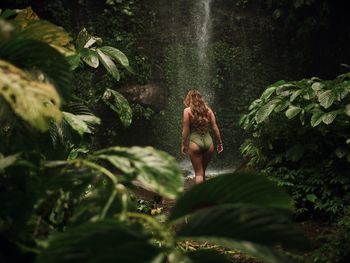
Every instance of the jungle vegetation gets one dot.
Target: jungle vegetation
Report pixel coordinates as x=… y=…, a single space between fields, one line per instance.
x=65 y=197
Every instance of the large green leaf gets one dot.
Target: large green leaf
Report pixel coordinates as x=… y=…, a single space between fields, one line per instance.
x=35 y=55
x=316 y=118
x=82 y=38
x=76 y=123
x=105 y=241
x=295 y=94
x=154 y=170
x=293 y=111
x=347 y=110
x=108 y=63
x=250 y=229
x=246 y=188
x=120 y=105
x=264 y=112
x=282 y=105
x=326 y=98
x=8 y=160
x=35 y=102
x=316 y=86
x=90 y=57
x=329 y=117
x=268 y=92
x=7 y=13
x=46 y=32
x=116 y=54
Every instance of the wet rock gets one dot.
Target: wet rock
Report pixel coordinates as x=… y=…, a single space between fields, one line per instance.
x=151 y=95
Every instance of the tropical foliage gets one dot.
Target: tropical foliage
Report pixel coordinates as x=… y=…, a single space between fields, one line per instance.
x=65 y=210
x=92 y=55
x=302 y=126
x=291 y=118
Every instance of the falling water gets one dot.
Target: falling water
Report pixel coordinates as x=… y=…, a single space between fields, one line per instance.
x=203 y=33
x=203 y=30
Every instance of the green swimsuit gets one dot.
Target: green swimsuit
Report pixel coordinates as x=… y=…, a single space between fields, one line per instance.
x=204 y=141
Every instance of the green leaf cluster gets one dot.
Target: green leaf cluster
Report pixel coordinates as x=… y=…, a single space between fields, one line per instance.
x=303 y=126
x=106 y=55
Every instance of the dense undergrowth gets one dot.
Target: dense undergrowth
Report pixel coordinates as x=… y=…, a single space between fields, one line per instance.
x=298 y=135
x=63 y=199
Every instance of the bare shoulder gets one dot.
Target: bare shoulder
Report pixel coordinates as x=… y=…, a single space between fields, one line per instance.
x=209 y=111
x=187 y=110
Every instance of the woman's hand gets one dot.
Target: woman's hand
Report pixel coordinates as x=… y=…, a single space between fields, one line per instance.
x=219 y=148
x=183 y=149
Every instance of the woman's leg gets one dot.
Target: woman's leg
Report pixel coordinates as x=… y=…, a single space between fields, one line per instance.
x=196 y=157
x=206 y=158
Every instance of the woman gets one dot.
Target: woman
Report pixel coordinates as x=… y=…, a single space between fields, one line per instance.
x=196 y=119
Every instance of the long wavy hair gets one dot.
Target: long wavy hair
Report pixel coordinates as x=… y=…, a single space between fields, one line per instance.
x=199 y=110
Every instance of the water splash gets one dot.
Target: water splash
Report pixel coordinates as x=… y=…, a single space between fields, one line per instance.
x=188 y=173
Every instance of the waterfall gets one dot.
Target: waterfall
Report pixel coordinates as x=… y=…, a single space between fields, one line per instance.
x=203 y=34
x=203 y=30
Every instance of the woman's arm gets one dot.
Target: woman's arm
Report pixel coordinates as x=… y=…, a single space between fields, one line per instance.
x=185 y=130
x=216 y=131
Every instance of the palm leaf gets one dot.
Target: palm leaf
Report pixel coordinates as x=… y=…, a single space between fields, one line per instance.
x=246 y=188
x=35 y=102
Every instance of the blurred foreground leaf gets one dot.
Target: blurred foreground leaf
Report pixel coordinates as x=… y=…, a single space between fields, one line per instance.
x=236 y=188
x=35 y=102
x=154 y=170
x=104 y=241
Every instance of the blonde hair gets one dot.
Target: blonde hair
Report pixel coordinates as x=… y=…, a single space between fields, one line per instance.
x=199 y=110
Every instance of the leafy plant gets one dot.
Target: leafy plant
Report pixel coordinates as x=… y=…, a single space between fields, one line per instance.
x=93 y=56
x=302 y=126
x=35 y=102
x=229 y=221
x=119 y=104
x=333 y=247
x=64 y=210
x=311 y=109
x=316 y=193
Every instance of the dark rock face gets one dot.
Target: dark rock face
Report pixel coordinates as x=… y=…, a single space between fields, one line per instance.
x=152 y=95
